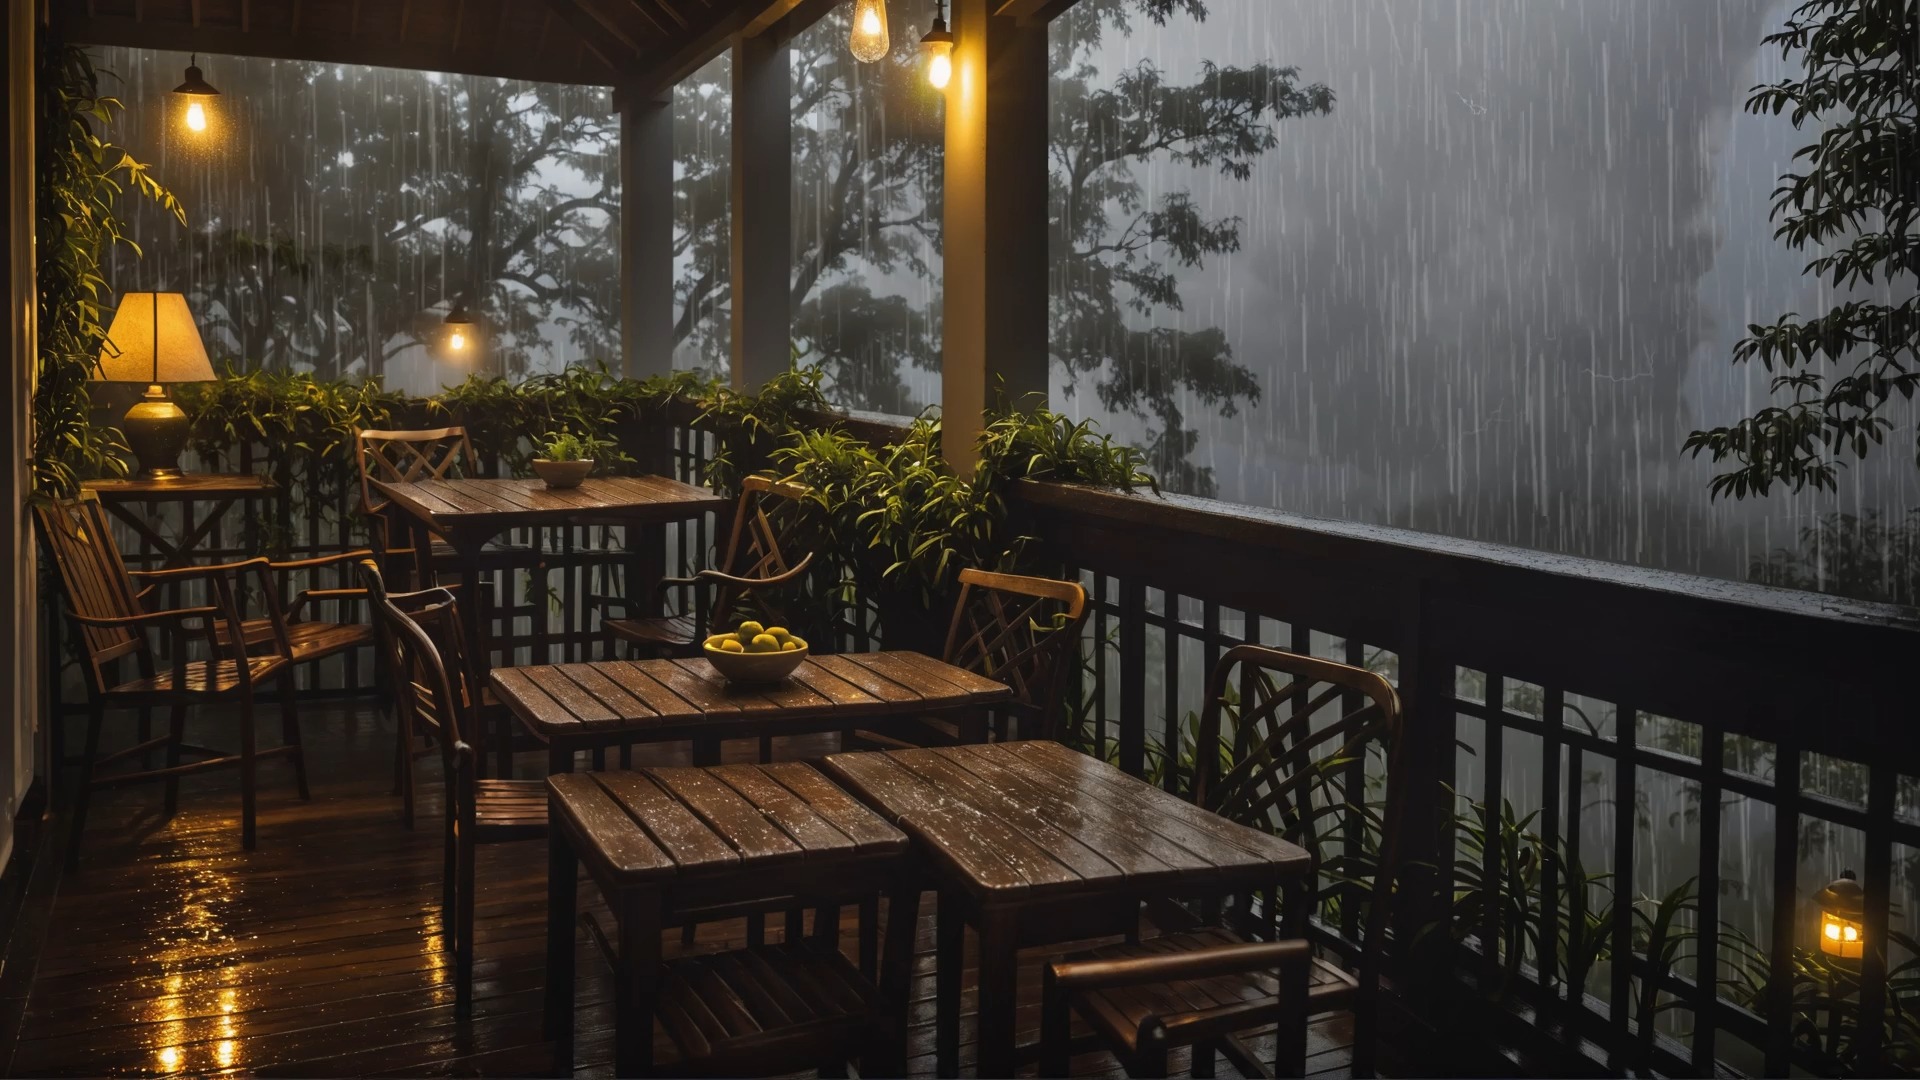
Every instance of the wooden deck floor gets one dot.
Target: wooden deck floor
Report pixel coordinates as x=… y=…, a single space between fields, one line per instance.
x=170 y=950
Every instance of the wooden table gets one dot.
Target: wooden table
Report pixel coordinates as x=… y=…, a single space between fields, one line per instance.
x=1033 y=843
x=674 y=845
x=220 y=489
x=469 y=513
x=574 y=707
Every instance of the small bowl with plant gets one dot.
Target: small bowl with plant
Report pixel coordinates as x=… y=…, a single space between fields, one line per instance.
x=755 y=653
x=564 y=459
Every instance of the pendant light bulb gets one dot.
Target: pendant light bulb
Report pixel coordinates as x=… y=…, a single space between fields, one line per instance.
x=198 y=94
x=939 y=47
x=869 y=41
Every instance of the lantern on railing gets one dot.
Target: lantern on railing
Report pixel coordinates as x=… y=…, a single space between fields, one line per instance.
x=1843 y=904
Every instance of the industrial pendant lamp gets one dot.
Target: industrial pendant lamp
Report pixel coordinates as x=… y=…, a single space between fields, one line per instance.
x=198 y=93
x=939 y=46
x=869 y=40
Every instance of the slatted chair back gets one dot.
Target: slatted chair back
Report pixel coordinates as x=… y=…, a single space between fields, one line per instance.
x=96 y=582
x=1301 y=747
x=434 y=685
x=404 y=457
x=1021 y=631
x=762 y=545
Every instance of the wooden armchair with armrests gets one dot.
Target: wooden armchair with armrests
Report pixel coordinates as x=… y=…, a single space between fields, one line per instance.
x=116 y=629
x=1293 y=770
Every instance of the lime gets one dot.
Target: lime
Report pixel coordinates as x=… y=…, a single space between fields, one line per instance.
x=789 y=646
x=730 y=645
x=779 y=632
x=765 y=643
x=749 y=628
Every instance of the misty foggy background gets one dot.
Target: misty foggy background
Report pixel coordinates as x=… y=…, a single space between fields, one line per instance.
x=1488 y=295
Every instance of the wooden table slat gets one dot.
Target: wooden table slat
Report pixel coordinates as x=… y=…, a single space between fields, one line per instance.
x=728 y=814
x=789 y=696
x=617 y=698
x=616 y=840
x=882 y=688
x=845 y=696
x=781 y=806
x=839 y=809
x=693 y=846
x=959 y=677
x=1157 y=808
x=529 y=699
x=987 y=853
x=633 y=678
x=1126 y=843
x=1012 y=810
x=584 y=706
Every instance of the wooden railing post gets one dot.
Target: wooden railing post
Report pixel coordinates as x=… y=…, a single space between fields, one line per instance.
x=1423 y=900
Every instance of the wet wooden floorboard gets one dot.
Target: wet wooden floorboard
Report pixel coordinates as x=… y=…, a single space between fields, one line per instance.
x=170 y=950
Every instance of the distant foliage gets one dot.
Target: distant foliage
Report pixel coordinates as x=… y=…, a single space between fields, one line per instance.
x=1866 y=557
x=79 y=179
x=1857 y=206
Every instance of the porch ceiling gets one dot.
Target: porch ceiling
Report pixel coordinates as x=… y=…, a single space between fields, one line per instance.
x=643 y=44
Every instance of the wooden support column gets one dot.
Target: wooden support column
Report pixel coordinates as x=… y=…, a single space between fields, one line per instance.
x=22 y=737
x=762 y=233
x=646 y=235
x=996 y=221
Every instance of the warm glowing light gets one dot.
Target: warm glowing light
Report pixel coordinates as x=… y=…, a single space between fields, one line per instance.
x=223 y=1053
x=869 y=40
x=939 y=45
x=196 y=117
x=940 y=68
x=170 y=1058
x=1842 y=907
x=457 y=341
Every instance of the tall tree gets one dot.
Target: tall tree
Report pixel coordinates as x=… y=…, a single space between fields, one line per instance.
x=1837 y=375
x=867 y=145
x=356 y=204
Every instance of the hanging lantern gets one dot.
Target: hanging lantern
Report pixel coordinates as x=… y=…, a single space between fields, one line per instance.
x=1843 y=904
x=199 y=95
x=939 y=46
x=869 y=40
x=459 y=329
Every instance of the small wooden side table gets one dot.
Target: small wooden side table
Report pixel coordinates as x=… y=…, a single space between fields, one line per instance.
x=221 y=490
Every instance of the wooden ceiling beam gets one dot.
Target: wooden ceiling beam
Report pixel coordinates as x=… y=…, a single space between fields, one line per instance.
x=593 y=29
x=1032 y=11
x=311 y=43
x=658 y=73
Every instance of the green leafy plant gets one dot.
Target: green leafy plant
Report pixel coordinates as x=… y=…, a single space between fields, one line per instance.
x=566 y=446
x=1857 y=206
x=80 y=178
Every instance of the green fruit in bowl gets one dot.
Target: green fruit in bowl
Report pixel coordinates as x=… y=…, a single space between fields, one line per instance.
x=731 y=645
x=764 y=643
x=789 y=646
x=749 y=628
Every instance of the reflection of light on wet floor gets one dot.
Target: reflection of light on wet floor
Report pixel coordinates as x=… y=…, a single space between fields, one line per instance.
x=195 y=947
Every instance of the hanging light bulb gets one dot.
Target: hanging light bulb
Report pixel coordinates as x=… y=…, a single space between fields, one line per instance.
x=198 y=94
x=869 y=40
x=459 y=327
x=939 y=46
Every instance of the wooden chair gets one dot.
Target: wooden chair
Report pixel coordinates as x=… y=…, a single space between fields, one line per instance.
x=757 y=561
x=432 y=672
x=410 y=456
x=1284 y=767
x=115 y=627
x=1022 y=631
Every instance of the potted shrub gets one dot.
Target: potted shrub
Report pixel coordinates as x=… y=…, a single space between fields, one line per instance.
x=564 y=459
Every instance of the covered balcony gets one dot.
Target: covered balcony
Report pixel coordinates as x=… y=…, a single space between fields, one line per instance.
x=959 y=537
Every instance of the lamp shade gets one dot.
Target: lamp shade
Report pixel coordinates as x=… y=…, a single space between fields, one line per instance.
x=153 y=340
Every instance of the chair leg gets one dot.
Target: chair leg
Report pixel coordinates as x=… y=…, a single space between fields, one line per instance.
x=1202 y=1065
x=870 y=938
x=248 y=778
x=463 y=918
x=176 y=731
x=449 y=887
x=1056 y=1026
x=951 y=937
x=84 y=794
x=290 y=733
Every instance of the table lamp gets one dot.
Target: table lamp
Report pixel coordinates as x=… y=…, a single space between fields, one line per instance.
x=153 y=340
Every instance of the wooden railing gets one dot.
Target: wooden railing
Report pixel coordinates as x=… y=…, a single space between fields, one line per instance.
x=1616 y=684
x=1503 y=653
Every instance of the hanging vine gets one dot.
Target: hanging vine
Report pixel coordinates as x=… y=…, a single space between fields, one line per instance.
x=80 y=178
